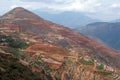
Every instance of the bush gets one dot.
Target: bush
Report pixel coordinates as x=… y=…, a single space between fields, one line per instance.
x=15 y=52
x=69 y=62
x=18 y=44
x=104 y=73
x=47 y=68
x=91 y=62
x=9 y=39
x=57 y=77
x=37 y=62
x=6 y=38
x=100 y=67
x=12 y=42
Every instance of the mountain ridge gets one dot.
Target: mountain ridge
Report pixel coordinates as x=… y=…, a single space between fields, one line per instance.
x=107 y=32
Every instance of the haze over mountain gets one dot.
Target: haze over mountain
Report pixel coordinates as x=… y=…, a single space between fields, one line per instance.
x=105 y=31
x=67 y=18
x=52 y=51
x=117 y=20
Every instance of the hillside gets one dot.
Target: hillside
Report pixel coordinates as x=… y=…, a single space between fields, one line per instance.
x=55 y=51
x=106 y=32
x=12 y=69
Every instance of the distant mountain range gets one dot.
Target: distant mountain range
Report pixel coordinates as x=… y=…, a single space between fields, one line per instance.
x=107 y=32
x=69 y=19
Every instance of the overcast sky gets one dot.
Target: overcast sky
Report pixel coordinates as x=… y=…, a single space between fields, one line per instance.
x=100 y=9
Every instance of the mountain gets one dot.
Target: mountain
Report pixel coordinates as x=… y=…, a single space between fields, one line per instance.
x=53 y=51
x=69 y=19
x=105 y=31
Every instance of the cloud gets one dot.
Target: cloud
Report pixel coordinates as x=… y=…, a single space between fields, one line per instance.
x=115 y=5
x=101 y=9
x=31 y=0
x=42 y=0
x=66 y=5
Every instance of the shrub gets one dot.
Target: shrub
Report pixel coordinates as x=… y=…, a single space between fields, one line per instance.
x=57 y=77
x=91 y=62
x=69 y=62
x=12 y=42
x=5 y=38
x=9 y=39
x=100 y=67
x=47 y=68
x=15 y=52
x=104 y=73
x=18 y=44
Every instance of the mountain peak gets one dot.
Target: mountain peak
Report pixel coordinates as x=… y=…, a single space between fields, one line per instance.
x=20 y=13
x=19 y=8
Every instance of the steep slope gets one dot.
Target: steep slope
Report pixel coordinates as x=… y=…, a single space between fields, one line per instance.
x=70 y=19
x=56 y=50
x=106 y=32
x=12 y=69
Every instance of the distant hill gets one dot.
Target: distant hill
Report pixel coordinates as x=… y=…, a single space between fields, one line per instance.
x=106 y=32
x=69 y=19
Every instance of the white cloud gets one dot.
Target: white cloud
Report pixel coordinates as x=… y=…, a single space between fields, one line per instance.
x=13 y=6
x=67 y=5
x=102 y=9
x=115 y=5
